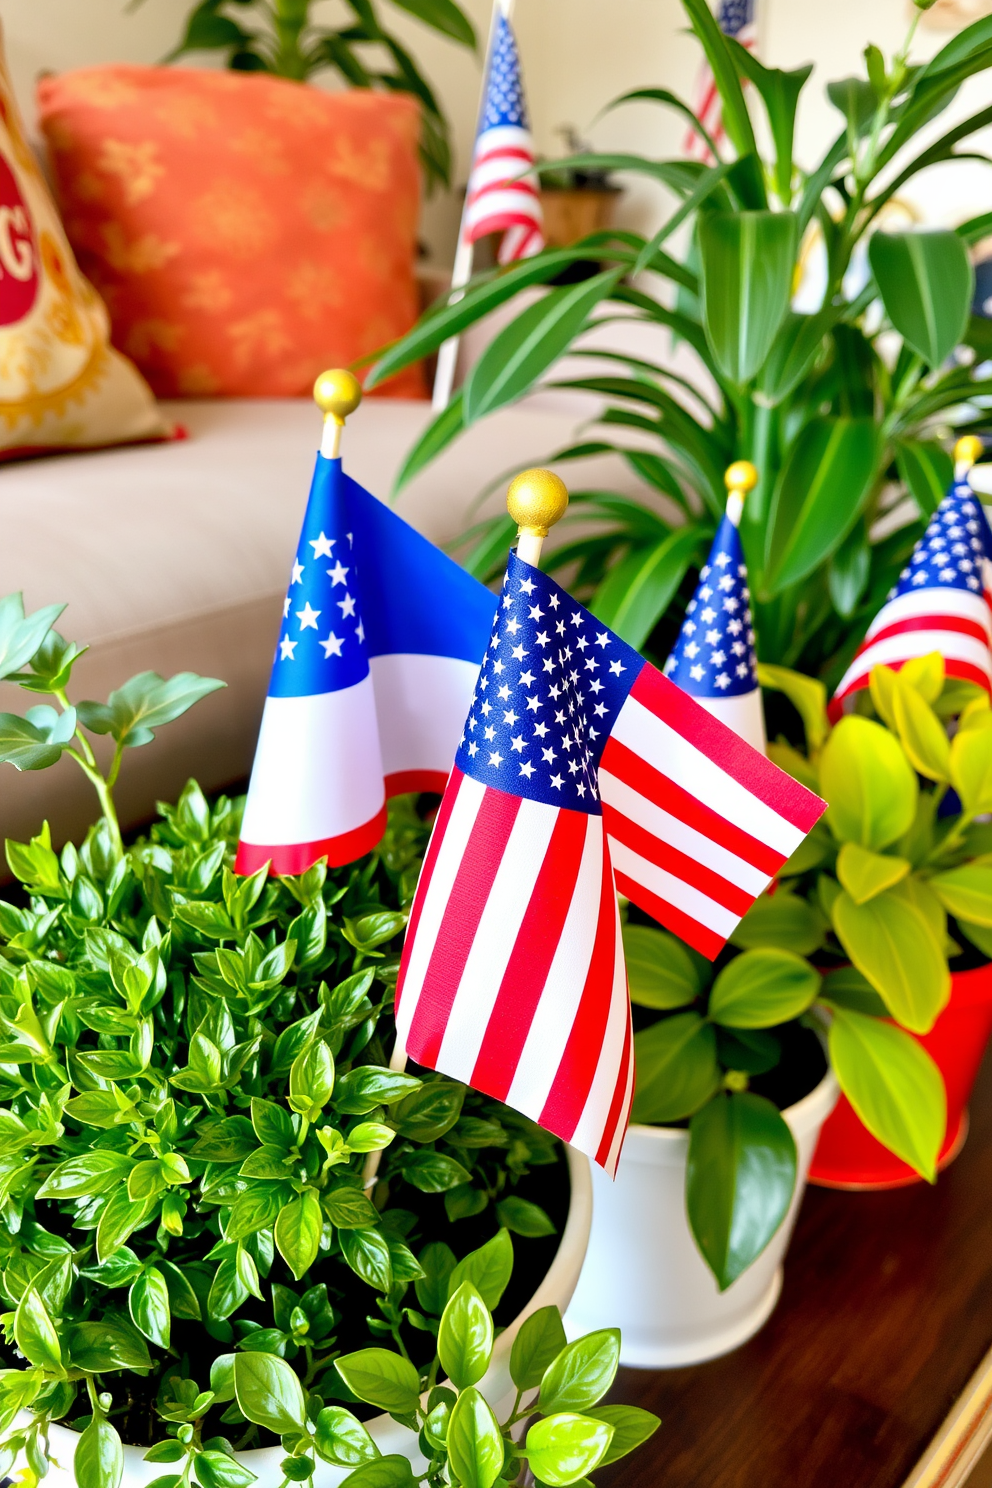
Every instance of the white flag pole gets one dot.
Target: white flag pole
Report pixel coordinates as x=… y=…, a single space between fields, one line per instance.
x=447 y=356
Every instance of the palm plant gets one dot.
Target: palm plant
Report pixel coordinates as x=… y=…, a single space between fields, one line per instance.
x=833 y=406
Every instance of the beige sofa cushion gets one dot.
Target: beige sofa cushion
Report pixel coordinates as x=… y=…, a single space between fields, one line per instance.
x=175 y=558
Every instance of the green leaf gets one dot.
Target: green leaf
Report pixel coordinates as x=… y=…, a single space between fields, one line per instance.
x=119 y=1220
x=488 y=1269
x=386 y=1472
x=892 y=944
x=735 y=118
x=780 y=94
x=311 y=1080
x=437 y=1261
x=465 y=1337
x=740 y=1179
x=926 y=283
x=847 y=988
x=523 y=1217
x=796 y=347
x=868 y=782
x=339 y=1438
x=364 y=1088
x=432 y=1172
x=220 y=1470
x=638 y=590
x=98 y=1347
x=98 y=1461
x=565 y=1447
x=20 y=637
x=819 y=494
x=443 y=16
x=857 y=101
x=922 y=734
x=35 y=1335
x=864 y=874
x=761 y=988
x=368 y=1255
x=927 y=470
x=148 y=1301
x=660 y=971
x=582 y=1373
x=297 y=1232
x=631 y=1428
x=781 y=920
x=381 y=1378
x=37 y=741
x=474 y=1441
x=747 y=261
x=429 y=1112
x=849 y=570
x=518 y=355
x=537 y=1345
x=893 y=1085
x=966 y=892
x=676 y=1068
x=971 y=769
x=269 y=1393
x=145 y=703
x=80 y=1177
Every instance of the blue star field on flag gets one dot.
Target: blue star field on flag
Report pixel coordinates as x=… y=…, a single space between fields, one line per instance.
x=949 y=554
x=552 y=684
x=714 y=654
x=735 y=15
x=504 y=95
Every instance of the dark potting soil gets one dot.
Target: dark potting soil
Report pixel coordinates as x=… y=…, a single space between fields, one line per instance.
x=801 y=1068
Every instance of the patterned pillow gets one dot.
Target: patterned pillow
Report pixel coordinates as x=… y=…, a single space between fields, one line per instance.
x=61 y=384
x=246 y=232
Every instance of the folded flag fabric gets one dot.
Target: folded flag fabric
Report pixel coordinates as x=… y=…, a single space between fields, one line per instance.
x=581 y=771
x=938 y=604
x=377 y=657
x=714 y=658
x=502 y=196
x=735 y=18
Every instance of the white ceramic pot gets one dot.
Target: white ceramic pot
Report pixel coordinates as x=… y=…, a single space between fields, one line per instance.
x=643 y=1272
x=557 y=1288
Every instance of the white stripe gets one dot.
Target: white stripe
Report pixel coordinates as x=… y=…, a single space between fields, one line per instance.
x=504 y=137
x=613 y=1157
x=660 y=746
x=559 y=1002
x=951 y=644
x=693 y=902
x=960 y=603
x=744 y=714
x=495 y=938
x=422 y=703
x=317 y=770
x=498 y=203
x=450 y=853
x=499 y=170
x=591 y=1125
x=674 y=833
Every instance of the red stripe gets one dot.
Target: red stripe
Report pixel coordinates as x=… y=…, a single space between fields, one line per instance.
x=290 y=858
x=617 y=1103
x=699 y=936
x=678 y=864
x=965 y=671
x=505 y=152
x=530 y=960
x=935 y=623
x=468 y=898
x=577 y=1070
x=427 y=871
x=499 y=222
x=722 y=746
x=621 y=761
x=406 y=782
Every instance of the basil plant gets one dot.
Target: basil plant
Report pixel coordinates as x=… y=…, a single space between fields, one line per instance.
x=192 y=1078
x=840 y=394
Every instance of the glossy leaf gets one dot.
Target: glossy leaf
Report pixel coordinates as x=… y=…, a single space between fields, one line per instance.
x=971 y=769
x=381 y=1378
x=563 y=1448
x=868 y=783
x=966 y=892
x=892 y=944
x=922 y=734
x=98 y=1461
x=538 y=1343
x=676 y=1068
x=488 y=1269
x=781 y=920
x=926 y=282
x=660 y=971
x=269 y=1393
x=298 y=1230
x=740 y=1179
x=761 y=988
x=582 y=1373
x=474 y=1441
x=339 y=1438
x=927 y=469
x=148 y=1301
x=818 y=496
x=632 y=1426
x=864 y=874
x=747 y=264
x=465 y=1338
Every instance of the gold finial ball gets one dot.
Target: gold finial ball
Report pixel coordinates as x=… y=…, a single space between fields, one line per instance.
x=337 y=393
x=968 y=449
x=741 y=477
x=536 y=500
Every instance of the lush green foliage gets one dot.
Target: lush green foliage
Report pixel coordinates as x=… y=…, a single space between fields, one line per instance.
x=831 y=416
x=281 y=37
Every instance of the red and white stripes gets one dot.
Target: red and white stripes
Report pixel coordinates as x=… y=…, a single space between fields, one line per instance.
x=955 y=622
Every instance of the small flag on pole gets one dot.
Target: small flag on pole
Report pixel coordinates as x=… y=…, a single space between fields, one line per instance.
x=735 y=18
x=581 y=771
x=500 y=196
x=714 y=658
x=941 y=601
x=377 y=657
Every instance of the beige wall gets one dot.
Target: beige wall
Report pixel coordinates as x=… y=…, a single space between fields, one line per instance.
x=578 y=54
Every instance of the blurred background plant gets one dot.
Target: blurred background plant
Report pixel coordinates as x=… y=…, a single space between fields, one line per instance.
x=282 y=37
x=828 y=353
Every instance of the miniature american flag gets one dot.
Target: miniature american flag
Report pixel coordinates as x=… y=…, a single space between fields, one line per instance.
x=736 y=19
x=938 y=604
x=714 y=658
x=582 y=771
x=500 y=197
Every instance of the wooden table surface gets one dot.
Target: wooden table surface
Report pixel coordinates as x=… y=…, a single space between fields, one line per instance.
x=885 y=1313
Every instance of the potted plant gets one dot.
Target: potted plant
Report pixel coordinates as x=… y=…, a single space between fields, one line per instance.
x=834 y=406
x=192 y=1076
x=901 y=870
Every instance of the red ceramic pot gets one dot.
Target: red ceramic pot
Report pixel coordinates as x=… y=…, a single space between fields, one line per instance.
x=848 y=1156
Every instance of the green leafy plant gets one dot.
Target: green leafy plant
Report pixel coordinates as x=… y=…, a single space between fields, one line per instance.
x=192 y=1077
x=834 y=404
x=282 y=37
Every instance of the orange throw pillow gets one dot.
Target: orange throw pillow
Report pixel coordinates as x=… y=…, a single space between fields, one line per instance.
x=245 y=231
x=61 y=384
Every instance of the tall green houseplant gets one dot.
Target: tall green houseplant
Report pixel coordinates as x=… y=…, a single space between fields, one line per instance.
x=831 y=405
